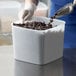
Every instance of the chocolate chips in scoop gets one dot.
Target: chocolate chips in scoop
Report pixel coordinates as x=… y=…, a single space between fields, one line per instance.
x=35 y=25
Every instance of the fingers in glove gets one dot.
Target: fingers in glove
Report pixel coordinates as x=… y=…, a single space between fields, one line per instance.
x=22 y=15
x=28 y=16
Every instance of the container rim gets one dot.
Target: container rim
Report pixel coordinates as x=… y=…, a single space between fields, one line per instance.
x=39 y=17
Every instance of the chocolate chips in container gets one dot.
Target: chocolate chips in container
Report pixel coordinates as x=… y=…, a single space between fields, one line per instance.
x=35 y=25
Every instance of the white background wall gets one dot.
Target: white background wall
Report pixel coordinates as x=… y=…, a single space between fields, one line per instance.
x=13 y=0
x=45 y=1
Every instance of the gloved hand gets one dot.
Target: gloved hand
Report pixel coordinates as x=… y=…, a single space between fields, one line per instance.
x=27 y=12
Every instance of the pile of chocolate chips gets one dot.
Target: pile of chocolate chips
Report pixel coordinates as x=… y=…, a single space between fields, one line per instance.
x=35 y=25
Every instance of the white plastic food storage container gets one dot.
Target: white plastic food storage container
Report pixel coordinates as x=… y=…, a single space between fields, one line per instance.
x=39 y=46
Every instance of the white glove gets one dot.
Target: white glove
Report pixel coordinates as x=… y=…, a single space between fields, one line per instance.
x=27 y=12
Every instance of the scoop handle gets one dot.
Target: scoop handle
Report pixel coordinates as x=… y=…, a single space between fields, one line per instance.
x=66 y=9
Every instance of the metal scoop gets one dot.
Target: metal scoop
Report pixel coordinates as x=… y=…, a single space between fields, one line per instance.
x=67 y=9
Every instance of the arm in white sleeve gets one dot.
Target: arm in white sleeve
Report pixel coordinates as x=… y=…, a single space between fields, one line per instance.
x=28 y=11
x=32 y=1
